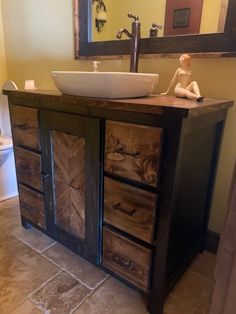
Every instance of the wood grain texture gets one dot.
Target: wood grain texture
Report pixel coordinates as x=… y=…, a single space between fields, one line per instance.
x=25 y=128
x=29 y=168
x=129 y=209
x=32 y=205
x=133 y=151
x=120 y=109
x=126 y=258
x=69 y=170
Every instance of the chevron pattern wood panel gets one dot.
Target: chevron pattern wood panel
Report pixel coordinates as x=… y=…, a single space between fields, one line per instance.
x=69 y=169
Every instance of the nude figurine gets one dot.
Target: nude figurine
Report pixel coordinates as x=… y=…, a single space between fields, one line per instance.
x=184 y=87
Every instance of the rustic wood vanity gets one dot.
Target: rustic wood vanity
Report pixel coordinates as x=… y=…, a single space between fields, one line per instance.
x=125 y=183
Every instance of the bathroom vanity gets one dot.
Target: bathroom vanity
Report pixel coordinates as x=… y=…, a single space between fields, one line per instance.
x=125 y=183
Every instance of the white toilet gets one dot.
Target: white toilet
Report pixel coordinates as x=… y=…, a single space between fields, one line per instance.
x=8 y=185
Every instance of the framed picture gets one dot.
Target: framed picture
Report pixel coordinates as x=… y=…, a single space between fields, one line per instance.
x=181 y=18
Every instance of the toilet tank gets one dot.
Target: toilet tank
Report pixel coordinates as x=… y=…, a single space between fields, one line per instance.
x=5 y=124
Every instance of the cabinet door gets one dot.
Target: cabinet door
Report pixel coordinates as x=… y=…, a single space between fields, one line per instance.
x=71 y=167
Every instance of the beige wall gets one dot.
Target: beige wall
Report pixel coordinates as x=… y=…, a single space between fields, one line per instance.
x=210 y=16
x=39 y=39
x=117 y=11
x=3 y=68
x=154 y=12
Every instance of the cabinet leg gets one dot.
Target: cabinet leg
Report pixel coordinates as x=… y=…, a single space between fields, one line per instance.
x=25 y=224
x=155 y=306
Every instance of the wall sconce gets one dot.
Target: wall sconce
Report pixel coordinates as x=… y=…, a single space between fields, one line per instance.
x=101 y=17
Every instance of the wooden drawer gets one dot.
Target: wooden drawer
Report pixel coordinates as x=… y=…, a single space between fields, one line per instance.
x=126 y=258
x=29 y=168
x=129 y=209
x=25 y=128
x=133 y=151
x=32 y=205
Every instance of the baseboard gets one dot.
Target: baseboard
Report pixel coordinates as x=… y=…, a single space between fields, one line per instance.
x=212 y=241
x=7 y=196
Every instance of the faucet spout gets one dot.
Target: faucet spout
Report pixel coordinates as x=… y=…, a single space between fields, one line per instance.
x=123 y=31
x=135 y=36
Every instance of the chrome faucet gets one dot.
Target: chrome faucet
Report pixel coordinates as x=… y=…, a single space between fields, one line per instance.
x=135 y=41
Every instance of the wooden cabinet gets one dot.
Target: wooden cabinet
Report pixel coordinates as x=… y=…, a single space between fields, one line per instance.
x=25 y=127
x=32 y=205
x=125 y=183
x=126 y=258
x=133 y=151
x=71 y=165
x=130 y=209
x=26 y=140
x=29 y=168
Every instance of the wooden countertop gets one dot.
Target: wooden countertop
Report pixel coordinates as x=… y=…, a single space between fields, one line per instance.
x=154 y=104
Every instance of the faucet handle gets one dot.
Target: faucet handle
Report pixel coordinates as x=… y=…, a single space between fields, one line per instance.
x=135 y=17
x=95 y=66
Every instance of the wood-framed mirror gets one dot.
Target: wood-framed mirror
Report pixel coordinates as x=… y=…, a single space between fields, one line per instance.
x=222 y=43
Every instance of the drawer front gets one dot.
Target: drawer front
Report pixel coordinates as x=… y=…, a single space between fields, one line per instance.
x=129 y=209
x=32 y=205
x=25 y=128
x=133 y=151
x=29 y=168
x=126 y=258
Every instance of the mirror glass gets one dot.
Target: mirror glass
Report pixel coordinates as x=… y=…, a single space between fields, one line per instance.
x=176 y=17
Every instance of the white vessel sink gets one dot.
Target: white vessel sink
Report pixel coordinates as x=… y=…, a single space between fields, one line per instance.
x=105 y=84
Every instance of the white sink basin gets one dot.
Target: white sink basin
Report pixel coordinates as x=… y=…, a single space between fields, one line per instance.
x=105 y=84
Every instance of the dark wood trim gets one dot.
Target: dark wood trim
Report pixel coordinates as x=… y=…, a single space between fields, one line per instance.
x=212 y=241
x=90 y=129
x=169 y=168
x=203 y=43
x=230 y=23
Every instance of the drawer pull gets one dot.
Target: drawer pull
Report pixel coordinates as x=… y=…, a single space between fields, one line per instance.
x=25 y=168
x=22 y=126
x=125 y=210
x=28 y=208
x=131 y=153
x=129 y=265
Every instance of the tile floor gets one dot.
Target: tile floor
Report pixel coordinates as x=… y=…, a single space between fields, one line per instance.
x=39 y=275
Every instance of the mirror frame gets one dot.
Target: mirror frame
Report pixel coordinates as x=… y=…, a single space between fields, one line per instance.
x=222 y=44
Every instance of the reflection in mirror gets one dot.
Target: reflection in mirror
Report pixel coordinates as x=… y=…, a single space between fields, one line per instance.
x=177 y=17
x=216 y=33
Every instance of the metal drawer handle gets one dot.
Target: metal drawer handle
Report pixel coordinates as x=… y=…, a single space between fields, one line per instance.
x=22 y=126
x=125 y=210
x=25 y=168
x=131 y=153
x=29 y=208
x=129 y=265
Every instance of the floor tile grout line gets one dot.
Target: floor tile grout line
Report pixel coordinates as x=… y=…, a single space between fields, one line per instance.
x=82 y=282
x=66 y=271
x=91 y=291
x=26 y=243
x=82 y=301
x=89 y=295
x=50 y=260
x=48 y=247
x=75 y=277
x=34 y=291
